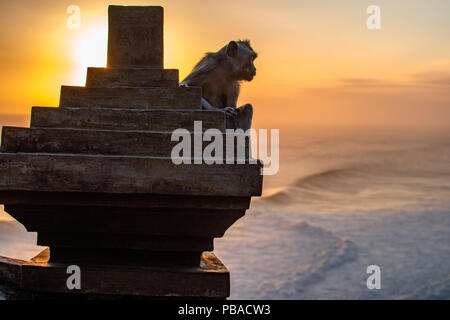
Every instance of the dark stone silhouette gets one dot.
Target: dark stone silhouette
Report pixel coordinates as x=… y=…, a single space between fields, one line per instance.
x=95 y=180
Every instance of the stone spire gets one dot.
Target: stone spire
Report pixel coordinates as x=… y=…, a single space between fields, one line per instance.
x=135 y=37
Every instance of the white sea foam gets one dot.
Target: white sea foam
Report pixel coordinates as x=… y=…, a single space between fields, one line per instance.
x=387 y=196
x=275 y=257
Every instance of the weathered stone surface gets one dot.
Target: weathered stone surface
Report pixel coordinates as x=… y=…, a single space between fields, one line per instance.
x=132 y=98
x=125 y=119
x=125 y=174
x=103 y=240
x=145 y=236
x=10 y=270
x=38 y=140
x=131 y=77
x=124 y=257
x=139 y=221
x=86 y=199
x=135 y=37
x=210 y=280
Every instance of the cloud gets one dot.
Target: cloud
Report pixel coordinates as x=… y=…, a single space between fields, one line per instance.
x=371 y=84
x=365 y=84
x=362 y=82
x=418 y=81
x=440 y=79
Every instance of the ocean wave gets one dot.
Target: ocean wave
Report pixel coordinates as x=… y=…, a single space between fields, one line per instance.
x=363 y=187
x=321 y=191
x=282 y=262
x=322 y=180
x=335 y=252
x=325 y=175
x=432 y=291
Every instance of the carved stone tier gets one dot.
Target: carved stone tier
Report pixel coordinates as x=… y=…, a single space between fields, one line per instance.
x=41 y=279
x=132 y=98
x=124 y=119
x=131 y=77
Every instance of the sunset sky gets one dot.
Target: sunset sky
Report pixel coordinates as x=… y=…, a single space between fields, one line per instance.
x=318 y=63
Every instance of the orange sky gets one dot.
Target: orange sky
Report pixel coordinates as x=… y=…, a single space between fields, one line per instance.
x=318 y=63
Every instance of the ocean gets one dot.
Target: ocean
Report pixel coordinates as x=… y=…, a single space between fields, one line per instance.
x=344 y=199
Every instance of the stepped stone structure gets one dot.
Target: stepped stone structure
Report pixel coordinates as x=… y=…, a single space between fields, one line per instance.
x=95 y=180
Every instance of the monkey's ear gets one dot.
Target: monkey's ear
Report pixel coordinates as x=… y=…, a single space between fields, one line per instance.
x=232 y=48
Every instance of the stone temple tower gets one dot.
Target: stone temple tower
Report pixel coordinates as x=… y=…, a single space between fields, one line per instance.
x=94 y=178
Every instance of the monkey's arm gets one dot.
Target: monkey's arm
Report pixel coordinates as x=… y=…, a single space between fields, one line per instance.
x=206 y=105
x=230 y=111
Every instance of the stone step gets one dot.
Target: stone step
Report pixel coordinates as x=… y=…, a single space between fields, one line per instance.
x=210 y=280
x=131 y=77
x=131 y=98
x=130 y=174
x=125 y=119
x=203 y=223
x=98 y=240
x=123 y=257
x=148 y=201
x=108 y=142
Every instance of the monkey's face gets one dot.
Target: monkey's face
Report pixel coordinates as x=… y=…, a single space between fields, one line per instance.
x=245 y=61
x=249 y=69
x=242 y=60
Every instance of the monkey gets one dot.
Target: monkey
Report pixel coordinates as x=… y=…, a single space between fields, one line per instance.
x=220 y=74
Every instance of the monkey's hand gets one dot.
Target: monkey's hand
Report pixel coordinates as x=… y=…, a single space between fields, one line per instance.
x=230 y=111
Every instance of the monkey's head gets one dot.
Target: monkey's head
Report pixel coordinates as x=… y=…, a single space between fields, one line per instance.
x=239 y=62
